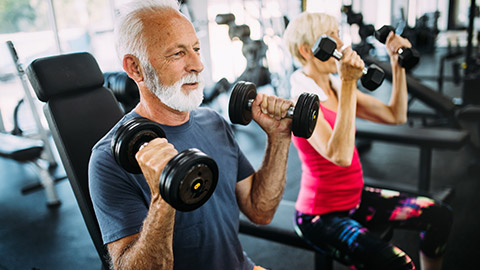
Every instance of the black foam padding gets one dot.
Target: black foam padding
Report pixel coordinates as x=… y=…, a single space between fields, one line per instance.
x=79 y=112
x=443 y=138
x=64 y=74
x=427 y=95
x=20 y=148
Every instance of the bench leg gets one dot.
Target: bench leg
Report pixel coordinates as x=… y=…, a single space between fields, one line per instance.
x=48 y=185
x=323 y=262
x=425 y=169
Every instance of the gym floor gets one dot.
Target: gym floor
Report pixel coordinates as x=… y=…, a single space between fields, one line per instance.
x=36 y=237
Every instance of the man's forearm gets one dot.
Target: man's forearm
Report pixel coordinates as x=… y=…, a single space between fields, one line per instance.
x=152 y=249
x=269 y=181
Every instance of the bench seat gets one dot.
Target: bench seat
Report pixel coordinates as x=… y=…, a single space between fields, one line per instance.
x=20 y=148
x=426 y=139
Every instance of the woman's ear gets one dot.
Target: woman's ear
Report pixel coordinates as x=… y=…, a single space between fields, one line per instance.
x=132 y=66
x=305 y=51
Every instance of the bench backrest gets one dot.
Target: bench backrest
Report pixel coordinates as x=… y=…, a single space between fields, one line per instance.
x=79 y=111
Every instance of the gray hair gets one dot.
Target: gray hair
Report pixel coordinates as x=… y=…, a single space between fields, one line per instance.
x=306 y=29
x=129 y=38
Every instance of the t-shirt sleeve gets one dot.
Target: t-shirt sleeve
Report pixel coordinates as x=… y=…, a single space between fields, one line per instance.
x=118 y=202
x=245 y=168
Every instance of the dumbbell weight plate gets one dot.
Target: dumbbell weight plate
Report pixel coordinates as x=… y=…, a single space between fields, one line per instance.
x=297 y=115
x=374 y=77
x=189 y=180
x=324 y=48
x=168 y=176
x=310 y=114
x=238 y=110
x=409 y=58
x=128 y=139
x=305 y=115
x=383 y=32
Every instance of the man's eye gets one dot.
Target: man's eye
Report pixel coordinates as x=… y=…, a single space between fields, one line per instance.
x=196 y=49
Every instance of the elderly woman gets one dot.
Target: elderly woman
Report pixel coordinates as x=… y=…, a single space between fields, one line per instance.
x=335 y=212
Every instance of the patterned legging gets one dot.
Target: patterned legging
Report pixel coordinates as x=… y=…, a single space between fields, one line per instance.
x=347 y=237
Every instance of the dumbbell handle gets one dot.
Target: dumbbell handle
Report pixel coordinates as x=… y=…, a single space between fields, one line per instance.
x=142 y=146
x=400 y=50
x=338 y=55
x=289 y=112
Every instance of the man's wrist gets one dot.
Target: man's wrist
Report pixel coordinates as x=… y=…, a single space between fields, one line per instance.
x=279 y=138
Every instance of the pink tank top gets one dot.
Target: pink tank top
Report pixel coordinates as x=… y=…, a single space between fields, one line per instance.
x=326 y=187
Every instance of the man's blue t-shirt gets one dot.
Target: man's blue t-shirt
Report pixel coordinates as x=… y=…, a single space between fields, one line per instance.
x=206 y=238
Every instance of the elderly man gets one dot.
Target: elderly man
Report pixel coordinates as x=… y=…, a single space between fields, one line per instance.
x=161 y=52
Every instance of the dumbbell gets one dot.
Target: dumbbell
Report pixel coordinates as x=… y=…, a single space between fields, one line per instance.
x=304 y=114
x=187 y=180
x=407 y=57
x=123 y=87
x=326 y=47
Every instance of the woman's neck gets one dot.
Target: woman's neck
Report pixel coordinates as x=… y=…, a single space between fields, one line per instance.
x=322 y=79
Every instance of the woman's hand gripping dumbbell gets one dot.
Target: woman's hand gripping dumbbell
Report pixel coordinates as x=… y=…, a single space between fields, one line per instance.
x=326 y=47
x=187 y=180
x=304 y=114
x=408 y=57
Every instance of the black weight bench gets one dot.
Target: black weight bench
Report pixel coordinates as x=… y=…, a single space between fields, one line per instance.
x=436 y=100
x=66 y=83
x=123 y=88
x=26 y=150
x=416 y=88
x=426 y=139
x=282 y=230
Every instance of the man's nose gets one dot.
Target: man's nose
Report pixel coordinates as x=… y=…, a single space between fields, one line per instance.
x=195 y=63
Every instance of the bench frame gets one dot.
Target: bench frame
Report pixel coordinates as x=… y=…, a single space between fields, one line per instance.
x=283 y=231
x=426 y=139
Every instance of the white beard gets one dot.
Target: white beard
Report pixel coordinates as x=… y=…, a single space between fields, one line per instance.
x=172 y=95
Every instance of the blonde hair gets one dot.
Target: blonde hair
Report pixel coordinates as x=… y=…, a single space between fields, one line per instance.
x=306 y=29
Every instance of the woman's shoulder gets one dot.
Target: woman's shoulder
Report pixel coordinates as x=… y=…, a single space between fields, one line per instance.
x=301 y=83
x=335 y=81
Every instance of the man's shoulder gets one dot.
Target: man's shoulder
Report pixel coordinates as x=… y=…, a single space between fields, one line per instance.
x=104 y=143
x=203 y=116
x=208 y=114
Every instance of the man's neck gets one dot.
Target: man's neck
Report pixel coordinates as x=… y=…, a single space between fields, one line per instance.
x=152 y=108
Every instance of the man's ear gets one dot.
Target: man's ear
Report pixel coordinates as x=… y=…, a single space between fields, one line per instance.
x=132 y=66
x=305 y=51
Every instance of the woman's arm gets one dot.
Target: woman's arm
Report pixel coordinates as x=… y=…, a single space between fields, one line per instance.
x=337 y=144
x=395 y=112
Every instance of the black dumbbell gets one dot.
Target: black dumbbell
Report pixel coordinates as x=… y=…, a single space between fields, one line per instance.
x=123 y=87
x=227 y=18
x=407 y=57
x=186 y=182
x=304 y=114
x=326 y=47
